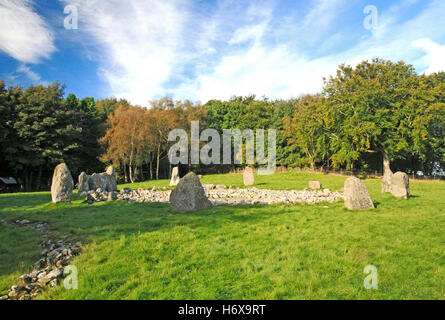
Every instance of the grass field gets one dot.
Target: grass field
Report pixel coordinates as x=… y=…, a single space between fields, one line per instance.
x=145 y=251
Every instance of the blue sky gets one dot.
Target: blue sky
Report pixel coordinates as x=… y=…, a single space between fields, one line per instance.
x=199 y=50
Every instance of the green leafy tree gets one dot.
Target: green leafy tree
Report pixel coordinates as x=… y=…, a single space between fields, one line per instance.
x=307 y=130
x=45 y=132
x=376 y=107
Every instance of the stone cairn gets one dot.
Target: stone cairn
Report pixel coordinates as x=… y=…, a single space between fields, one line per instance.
x=248 y=177
x=356 y=195
x=62 y=184
x=189 y=195
x=175 y=177
x=98 y=185
x=400 y=185
x=48 y=270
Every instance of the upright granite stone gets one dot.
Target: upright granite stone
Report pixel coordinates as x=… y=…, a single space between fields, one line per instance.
x=387 y=174
x=62 y=185
x=189 y=195
x=100 y=181
x=356 y=195
x=315 y=185
x=105 y=180
x=83 y=186
x=113 y=183
x=386 y=181
x=400 y=185
x=175 y=177
x=248 y=177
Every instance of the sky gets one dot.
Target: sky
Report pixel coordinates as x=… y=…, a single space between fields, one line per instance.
x=210 y=49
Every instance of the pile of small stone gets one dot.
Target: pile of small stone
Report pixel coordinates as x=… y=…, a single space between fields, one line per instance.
x=100 y=195
x=38 y=226
x=48 y=271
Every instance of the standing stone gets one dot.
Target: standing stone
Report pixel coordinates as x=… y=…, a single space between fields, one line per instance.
x=387 y=174
x=175 y=177
x=249 y=178
x=356 y=195
x=103 y=181
x=82 y=187
x=400 y=185
x=315 y=185
x=110 y=170
x=62 y=185
x=112 y=181
x=96 y=181
x=189 y=195
x=386 y=181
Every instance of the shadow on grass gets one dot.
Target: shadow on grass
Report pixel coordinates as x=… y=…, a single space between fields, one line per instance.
x=112 y=220
x=15 y=201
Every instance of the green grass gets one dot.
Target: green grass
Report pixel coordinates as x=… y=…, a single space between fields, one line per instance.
x=145 y=251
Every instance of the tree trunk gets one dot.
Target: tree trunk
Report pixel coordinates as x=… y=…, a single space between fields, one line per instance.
x=387 y=173
x=151 y=166
x=157 y=162
x=131 y=173
x=125 y=173
x=312 y=164
x=30 y=180
x=25 y=178
x=39 y=179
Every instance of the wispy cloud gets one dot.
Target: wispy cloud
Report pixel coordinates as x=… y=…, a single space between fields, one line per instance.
x=24 y=35
x=138 y=43
x=435 y=57
x=286 y=69
x=146 y=49
x=31 y=75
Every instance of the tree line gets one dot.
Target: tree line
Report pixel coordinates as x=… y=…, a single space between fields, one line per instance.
x=371 y=117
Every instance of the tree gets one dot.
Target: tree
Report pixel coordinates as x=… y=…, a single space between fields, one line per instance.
x=85 y=115
x=45 y=133
x=125 y=139
x=375 y=107
x=283 y=109
x=9 y=98
x=307 y=130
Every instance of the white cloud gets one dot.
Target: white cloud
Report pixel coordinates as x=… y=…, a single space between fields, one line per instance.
x=284 y=70
x=148 y=48
x=31 y=75
x=435 y=54
x=138 y=43
x=24 y=34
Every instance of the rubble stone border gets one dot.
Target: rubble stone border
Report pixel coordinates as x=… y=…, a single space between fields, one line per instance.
x=221 y=195
x=48 y=270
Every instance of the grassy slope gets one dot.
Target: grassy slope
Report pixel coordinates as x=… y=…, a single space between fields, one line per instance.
x=144 y=251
